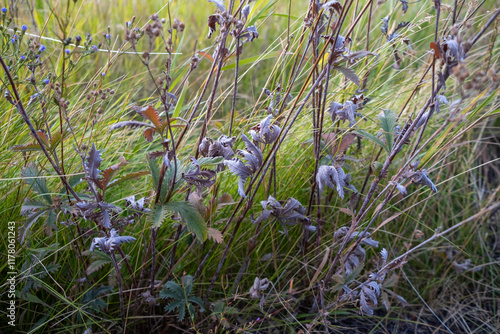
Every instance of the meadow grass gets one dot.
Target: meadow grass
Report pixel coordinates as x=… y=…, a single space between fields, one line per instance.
x=313 y=280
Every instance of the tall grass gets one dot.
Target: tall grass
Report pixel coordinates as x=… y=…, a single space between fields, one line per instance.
x=309 y=167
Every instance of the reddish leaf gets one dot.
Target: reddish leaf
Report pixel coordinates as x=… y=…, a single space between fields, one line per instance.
x=148 y=133
x=27 y=147
x=206 y=55
x=151 y=114
x=43 y=137
x=437 y=50
x=110 y=172
x=331 y=140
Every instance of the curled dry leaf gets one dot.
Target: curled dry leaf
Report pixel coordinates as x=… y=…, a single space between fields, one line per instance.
x=219 y=3
x=345 y=111
x=99 y=211
x=200 y=178
x=92 y=164
x=401 y=189
x=333 y=5
x=253 y=157
x=222 y=147
x=334 y=177
x=421 y=178
x=111 y=243
x=368 y=298
x=138 y=205
x=356 y=257
x=258 y=288
x=290 y=214
x=265 y=132
x=249 y=34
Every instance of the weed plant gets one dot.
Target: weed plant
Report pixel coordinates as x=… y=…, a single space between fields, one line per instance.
x=251 y=166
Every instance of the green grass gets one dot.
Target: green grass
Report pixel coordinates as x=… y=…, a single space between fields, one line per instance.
x=54 y=293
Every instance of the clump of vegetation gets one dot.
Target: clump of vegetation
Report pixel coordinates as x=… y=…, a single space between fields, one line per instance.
x=134 y=163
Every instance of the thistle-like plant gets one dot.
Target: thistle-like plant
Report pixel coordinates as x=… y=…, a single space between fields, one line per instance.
x=111 y=243
x=253 y=157
x=290 y=214
x=265 y=132
x=334 y=177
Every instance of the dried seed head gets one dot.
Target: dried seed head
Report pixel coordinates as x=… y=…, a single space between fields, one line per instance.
x=461 y=72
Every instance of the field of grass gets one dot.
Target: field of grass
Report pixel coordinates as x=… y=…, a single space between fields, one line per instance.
x=304 y=167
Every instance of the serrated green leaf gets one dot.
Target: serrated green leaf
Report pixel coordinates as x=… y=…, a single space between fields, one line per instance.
x=372 y=138
x=130 y=176
x=35 y=179
x=192 y=217
x=198 y=301
x=31 y=205
x=96 y=265
x=159 y=213
x=348 y=73
x=188 y=284
x=210 y=161
x=172 y=290
x=27 y=147
x=189 y=214
x=182 y=312
x=177 y=304
x=388 y=124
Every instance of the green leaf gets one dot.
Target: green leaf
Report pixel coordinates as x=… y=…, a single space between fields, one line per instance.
x=210 y=161
x=30 y=205
x=348 y=73
x=155 y=174
x=174 y=305
x=260 y=14
x=251 y=60
x=192 y=217
x=182 y=312
x=191 y=310
x=388 y=124
x=180 y=102
x=372 y=138
x=130 y=176
x=189 y=214
x=33 y=299
x=188 y=284
x=197 y=300
x=172 y=290
x=159 y=213
x=100 y=260
x=35 y=179
x=27 y=147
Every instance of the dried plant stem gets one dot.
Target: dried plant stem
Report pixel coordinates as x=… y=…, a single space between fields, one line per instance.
x=265 y=166
x=397 y=146
x=19 y=105
x=262 y=174
x=120 y=287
